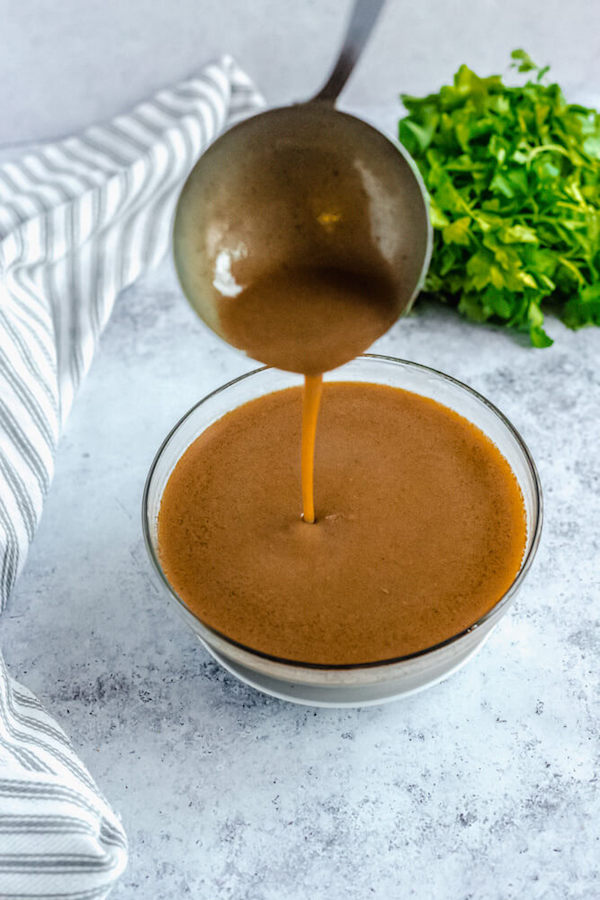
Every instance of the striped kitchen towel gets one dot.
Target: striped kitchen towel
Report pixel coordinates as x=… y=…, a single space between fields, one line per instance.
x=80 y=219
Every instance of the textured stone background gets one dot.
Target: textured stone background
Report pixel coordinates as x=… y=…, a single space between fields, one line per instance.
x=486 y=787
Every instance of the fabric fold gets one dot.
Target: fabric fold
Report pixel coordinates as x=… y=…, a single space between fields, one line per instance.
x=80 y=219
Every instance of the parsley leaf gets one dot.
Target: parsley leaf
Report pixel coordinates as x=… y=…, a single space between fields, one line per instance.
x=513 y=174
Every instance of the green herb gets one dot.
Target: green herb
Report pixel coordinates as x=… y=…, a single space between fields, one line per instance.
x=514 y=180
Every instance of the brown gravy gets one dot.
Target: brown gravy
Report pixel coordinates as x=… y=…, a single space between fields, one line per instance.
x=420 y=526
x=309 y=320
x=290 y=244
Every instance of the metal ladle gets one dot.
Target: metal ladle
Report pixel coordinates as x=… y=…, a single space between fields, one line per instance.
x=304 y=186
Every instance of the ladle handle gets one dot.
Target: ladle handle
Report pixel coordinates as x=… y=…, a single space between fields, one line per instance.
x=362 y=19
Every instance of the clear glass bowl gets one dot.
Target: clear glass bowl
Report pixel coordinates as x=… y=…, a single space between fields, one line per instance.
x=350 y=684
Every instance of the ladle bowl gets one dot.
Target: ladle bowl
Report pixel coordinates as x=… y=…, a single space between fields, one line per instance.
x=304 y=188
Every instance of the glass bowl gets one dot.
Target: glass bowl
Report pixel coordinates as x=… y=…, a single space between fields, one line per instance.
x=347 y=685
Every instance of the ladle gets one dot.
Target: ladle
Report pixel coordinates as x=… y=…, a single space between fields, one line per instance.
x=302 y=233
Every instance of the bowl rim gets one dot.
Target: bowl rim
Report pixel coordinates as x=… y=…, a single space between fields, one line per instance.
x=498 y=607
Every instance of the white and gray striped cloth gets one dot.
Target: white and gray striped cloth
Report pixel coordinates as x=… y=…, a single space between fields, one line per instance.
x=79 y=220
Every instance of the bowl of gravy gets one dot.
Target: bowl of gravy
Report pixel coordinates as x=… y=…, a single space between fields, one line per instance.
x=427 y=509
